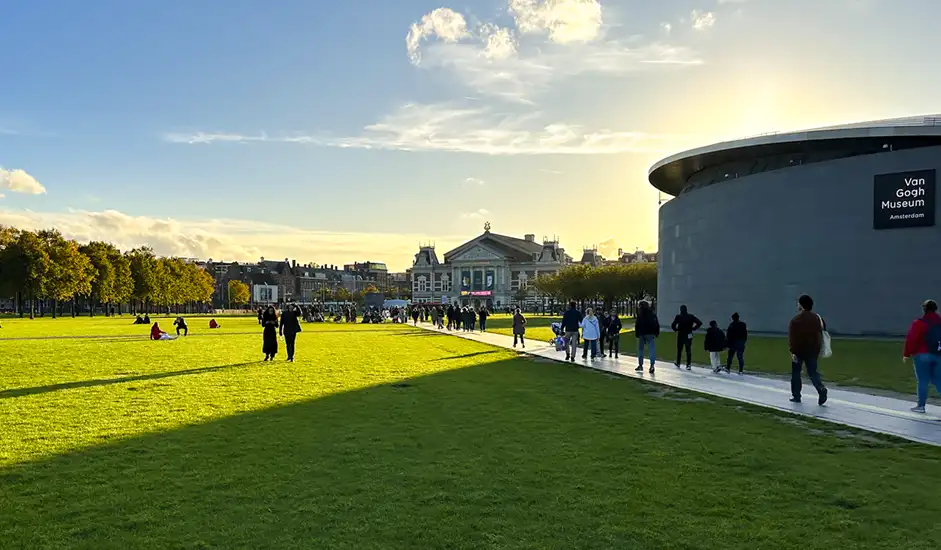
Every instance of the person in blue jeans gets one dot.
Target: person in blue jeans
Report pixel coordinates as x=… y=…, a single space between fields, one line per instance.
x=923 y=344
x=591 y=332
x=646 y=329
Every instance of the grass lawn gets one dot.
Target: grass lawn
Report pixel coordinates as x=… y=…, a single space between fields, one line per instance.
x=537 y=326
x=383 y=436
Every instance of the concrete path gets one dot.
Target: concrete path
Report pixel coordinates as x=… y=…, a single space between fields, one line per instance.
x=884 y=415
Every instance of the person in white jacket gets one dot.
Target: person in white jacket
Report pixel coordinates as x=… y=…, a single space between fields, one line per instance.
x=591 y=331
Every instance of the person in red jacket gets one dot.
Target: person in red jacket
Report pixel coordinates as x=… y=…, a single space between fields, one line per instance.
x=923 y=344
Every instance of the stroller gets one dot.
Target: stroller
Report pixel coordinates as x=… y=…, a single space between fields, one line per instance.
x=559 y=340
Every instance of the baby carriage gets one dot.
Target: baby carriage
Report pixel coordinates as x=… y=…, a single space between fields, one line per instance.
x=559 y=340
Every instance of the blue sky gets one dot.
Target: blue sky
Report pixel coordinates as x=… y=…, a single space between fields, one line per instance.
x=341 y=131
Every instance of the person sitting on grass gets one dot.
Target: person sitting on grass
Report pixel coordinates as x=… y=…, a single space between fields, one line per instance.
x=157 y=334
x=180 y=324
x=139 y=320
x=214 y=324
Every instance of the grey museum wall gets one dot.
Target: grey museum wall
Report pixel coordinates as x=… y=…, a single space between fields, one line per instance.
x=754 y=244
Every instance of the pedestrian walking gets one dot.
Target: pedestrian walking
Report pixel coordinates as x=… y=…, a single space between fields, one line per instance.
x=269 y=336
x=923 y=345
x=614 y=335
x=805 y=341
x=684 y=325
x=288 y=328
x=571 y=322
x=591 y=332
x=647 y=329
x=519 y=328
x=736 y=336
x=483 y=314
x=714 y=344
x=603 y=322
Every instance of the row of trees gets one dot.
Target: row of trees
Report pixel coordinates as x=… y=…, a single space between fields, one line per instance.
x=41 y=266
x=610 y=284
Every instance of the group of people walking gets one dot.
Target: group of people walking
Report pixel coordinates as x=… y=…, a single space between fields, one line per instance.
x=595 y=332
x=806 y=341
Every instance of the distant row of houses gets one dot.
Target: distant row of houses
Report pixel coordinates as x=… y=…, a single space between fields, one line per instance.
x=282 y=281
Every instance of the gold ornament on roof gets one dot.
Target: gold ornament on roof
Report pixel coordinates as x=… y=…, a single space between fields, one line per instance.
x=487 y=227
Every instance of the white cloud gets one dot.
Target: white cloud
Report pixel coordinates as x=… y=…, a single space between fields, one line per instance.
x=479 y=130
x=442 y=23
x=558 y=39
x=608 y=248
x=702 y=20
x=499 y=42
x=228 y=239
x=667 y=27
x=565 y=20
x=475 y=182
x=476 y=215
x=19 y=181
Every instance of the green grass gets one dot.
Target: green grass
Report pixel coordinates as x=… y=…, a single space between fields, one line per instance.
x=390 y=437
x=537 y=326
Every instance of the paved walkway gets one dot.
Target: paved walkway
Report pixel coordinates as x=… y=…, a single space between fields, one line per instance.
x=884 y=415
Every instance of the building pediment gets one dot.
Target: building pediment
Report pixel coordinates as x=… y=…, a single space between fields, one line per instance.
x=477 y=253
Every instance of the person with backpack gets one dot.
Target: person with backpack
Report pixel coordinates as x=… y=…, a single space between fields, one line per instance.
x=646 y=329
x=684 y=325
x=714 y=344
x=923 y=345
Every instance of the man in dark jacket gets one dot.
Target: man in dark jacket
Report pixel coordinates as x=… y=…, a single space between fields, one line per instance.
x=571 y=322
x=613 y=331
x=736 y=335
x=646 y=329
x=805 y=340
x=604 y=321
x=289 y=327
x=684 y=325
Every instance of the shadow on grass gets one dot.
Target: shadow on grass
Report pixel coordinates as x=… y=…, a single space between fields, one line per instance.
x=467 y=355
x=508 y=454
x=23 y=392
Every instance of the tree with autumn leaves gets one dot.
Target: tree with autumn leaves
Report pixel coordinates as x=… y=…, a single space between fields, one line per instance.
x=43 y=266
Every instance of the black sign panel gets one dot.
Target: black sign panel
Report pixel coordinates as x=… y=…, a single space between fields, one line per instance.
x=905 y=199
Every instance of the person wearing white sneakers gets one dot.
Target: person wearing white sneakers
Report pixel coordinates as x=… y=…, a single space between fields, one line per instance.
x=923 y=345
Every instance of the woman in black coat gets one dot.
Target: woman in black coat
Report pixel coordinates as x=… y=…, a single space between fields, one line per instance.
x=269 y=320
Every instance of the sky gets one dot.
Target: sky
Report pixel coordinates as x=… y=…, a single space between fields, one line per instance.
x=333 y=132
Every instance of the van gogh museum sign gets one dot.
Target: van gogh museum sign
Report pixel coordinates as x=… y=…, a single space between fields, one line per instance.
x=904 y=199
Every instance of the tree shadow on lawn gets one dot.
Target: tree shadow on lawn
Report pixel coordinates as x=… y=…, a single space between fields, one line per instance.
x=22 y=392
x=505 y=454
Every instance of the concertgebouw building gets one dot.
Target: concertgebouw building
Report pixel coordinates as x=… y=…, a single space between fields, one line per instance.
x=846 y=214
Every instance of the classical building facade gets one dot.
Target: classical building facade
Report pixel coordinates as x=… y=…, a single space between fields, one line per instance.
x=491 y=270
